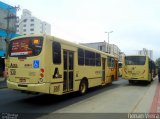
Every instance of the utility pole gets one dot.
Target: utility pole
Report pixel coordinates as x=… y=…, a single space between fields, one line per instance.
x=8 y=30
x=108 y=41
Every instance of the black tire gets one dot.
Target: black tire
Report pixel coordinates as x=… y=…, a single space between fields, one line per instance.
x=130 y=81
x=112 y=78
x=83 y=87
x=148 y=82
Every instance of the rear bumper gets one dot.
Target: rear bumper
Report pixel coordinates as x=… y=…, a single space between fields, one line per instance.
x=136 y=79
x=41 y=87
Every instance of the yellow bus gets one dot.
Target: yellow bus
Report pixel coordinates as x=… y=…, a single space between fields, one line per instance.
x=46 y=64
x=138 y=68
x=112 y=68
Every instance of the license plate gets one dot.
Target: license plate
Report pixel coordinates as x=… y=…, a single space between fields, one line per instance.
x=22 y=80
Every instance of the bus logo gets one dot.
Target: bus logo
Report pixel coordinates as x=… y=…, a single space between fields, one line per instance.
x=36 y=64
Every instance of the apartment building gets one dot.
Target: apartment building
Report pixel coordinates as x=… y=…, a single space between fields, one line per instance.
x=29 y=24
x=114 y=50
x=7 y=29
x=147 y=52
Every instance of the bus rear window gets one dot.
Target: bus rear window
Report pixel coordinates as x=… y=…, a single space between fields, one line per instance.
x=135 y=60
x=30 y=46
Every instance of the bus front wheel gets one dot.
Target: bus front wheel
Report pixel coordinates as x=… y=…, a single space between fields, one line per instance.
x=83 y=87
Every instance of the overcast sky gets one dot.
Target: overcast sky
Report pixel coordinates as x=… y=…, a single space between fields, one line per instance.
x=135 y=23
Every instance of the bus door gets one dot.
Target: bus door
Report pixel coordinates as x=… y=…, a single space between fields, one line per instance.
x=68 y=60
x=103 y=70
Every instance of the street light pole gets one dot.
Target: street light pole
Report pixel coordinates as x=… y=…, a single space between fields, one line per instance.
x=108 y=40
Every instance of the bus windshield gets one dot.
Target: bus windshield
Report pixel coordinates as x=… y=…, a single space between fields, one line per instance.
x=29 y=46
x=135 y=60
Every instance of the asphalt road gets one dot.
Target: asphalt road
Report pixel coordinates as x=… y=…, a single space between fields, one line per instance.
x=112 y=101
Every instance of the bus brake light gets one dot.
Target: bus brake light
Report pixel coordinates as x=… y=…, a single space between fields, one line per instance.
x=6 y=72
x=42 y=70
x=41 y=74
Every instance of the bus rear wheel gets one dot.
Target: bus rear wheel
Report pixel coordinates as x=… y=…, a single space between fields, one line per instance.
x=130 y=81
x=112 y=78
x=83 y=87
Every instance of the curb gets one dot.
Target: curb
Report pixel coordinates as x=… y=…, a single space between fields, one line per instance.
x=2 y=79
x=3 y=83
x=3 y=87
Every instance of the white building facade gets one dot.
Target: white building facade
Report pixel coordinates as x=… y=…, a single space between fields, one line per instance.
x=146 y=52
x=29 y=24
x=122 y=55
x=114 y=50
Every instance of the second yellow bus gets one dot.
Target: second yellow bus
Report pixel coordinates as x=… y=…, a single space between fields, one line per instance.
x=138 y=68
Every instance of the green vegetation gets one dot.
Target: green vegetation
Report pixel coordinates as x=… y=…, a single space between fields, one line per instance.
x=158 y=62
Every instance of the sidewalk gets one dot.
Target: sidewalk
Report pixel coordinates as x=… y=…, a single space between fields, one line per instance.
x=147 y=103
x=3 y=83
x=155 y=107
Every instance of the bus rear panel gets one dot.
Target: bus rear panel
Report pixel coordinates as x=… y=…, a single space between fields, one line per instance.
x=137 y=68
x=25 y=65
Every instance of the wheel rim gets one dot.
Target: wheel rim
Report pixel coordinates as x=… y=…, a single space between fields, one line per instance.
x=83 y=88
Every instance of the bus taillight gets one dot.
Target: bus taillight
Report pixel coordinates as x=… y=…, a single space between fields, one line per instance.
x=42 y=70
x=41 y=74
x=6 y=72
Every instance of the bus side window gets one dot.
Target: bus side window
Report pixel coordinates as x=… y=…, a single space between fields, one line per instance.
x=112 y=63
x=56 y=49
x=80 y=56
x=98 y=59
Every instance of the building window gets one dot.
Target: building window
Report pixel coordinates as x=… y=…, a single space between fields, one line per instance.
x=25 y=20
x=24 y=25
x=32 y=25
x=100 y=48
x=31 y=29
x=32 y=20
x=24 y=30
